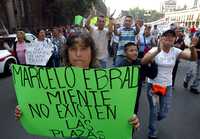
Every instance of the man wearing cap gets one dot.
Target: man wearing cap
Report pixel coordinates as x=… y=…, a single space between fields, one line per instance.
x=159 y=89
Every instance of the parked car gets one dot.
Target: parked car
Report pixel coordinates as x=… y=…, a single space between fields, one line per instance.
x=6 y=60
x=7 y=56
x=13 y=37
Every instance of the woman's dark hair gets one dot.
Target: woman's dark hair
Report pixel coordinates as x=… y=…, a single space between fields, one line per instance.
x=87 y=40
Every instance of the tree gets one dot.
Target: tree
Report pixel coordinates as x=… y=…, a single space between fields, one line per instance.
x=64 y=11
x=3 y=2
x=185 y=7
x=137 y=13
x=152 y=15
x=49 y=13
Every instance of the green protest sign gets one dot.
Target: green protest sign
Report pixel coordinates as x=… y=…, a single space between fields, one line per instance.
x=78 y=20
x=68 y=101
x=93 y=21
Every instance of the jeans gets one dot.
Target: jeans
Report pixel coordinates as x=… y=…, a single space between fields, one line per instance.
x=114 y=47
x=159 y=107
x=193 y=72
x=54 y=60
x=103 y=62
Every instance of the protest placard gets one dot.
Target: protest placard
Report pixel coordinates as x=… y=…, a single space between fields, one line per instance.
x=78 y=20
x=93 y=21
x=37 y=54
x=69 y=101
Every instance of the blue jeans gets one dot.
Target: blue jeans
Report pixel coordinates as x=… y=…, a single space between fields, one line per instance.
x=56 y=61
x=103 y=63
x=159 y=107
x=193 y=72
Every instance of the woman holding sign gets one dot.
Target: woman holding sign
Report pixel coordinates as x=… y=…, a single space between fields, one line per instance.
x=80 y=52
x=159 y=90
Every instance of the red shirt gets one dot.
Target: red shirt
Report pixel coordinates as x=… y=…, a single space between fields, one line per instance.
x=193 y=30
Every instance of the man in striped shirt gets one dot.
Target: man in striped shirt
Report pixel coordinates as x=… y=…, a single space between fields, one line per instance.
x=126 y=34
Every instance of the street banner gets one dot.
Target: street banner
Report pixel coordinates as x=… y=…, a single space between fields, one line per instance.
x=74 y=102
x=36 y=54
x=78 y=20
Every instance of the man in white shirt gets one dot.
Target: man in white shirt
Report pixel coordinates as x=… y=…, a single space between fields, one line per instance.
x=159 y=89
x=101 y=35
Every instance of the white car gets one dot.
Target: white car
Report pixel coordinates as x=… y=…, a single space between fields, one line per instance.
x=6 y=60
x=30 y=37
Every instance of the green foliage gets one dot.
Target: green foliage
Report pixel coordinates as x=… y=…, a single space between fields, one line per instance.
x=147 y=16
x=64 y=11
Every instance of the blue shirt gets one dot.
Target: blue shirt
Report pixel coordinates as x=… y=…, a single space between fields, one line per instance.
x=126 y=35
x=142 y=44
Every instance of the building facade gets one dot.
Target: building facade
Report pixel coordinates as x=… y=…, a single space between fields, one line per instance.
x=168 y=6
x=185 y=17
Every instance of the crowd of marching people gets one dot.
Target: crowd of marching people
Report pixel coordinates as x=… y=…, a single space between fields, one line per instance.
x=128 y=44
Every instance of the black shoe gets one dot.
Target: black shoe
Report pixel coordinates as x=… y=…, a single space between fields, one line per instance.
x=152 y=137
x=194 y=91
x=185 y=84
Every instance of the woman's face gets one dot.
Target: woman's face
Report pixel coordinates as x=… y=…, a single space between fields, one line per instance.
x=20 y=36
x=177 y=31
x=132 y=53
x=79 y=54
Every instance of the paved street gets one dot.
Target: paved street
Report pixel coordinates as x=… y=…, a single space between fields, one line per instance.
x=183 y=121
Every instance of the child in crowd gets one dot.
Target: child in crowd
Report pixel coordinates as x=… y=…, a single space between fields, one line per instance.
x=131 y=59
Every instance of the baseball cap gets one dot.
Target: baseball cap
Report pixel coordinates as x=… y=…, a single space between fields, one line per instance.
x=169 y=31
